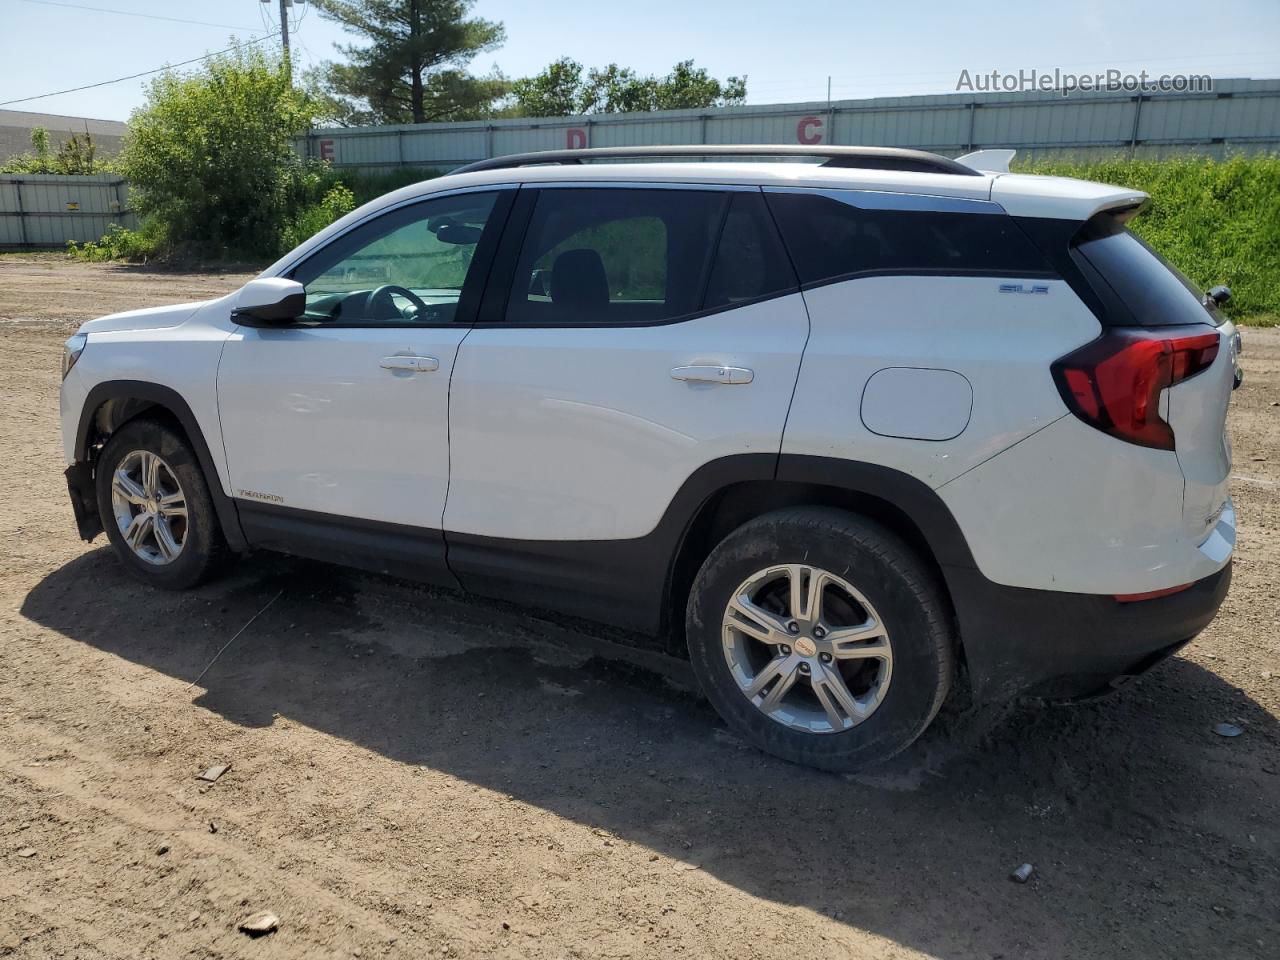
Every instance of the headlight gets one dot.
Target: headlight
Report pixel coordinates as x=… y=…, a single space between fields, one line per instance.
x=71 y=351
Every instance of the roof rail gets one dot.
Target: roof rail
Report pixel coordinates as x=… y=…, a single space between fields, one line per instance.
x=874 y=158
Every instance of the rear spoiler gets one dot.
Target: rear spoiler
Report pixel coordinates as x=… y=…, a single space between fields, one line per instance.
x=1063 y=198
x=1124 y=209
x=988 y=161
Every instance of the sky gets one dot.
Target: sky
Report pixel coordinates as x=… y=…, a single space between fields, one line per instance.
x=787 y=51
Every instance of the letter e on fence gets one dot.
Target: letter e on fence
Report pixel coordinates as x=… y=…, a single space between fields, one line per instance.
x=326 y=150
x=809 y=131
x=575 y=138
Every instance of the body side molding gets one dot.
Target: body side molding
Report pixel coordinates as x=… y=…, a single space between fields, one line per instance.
x=394 y=549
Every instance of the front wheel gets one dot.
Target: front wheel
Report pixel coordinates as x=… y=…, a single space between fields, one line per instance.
x=155 y=506
x=821 y=637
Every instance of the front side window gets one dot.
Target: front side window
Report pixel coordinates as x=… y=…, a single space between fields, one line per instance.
x=409 y=266
x=611 y=255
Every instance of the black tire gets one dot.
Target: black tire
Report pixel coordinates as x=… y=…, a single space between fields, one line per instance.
x=203 y=548
x=892 y=578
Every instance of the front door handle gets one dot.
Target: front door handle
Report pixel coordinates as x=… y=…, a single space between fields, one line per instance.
x=711 y=373
x=413 y=364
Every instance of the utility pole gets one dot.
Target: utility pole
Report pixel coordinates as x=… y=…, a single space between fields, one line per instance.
x=284 y=33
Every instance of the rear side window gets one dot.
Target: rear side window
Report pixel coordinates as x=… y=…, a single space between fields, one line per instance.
x=1151 y=289
x=830 y=239
x=615 y=255
x=750 y=263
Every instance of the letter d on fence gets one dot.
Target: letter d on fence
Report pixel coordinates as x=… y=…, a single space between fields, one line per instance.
x=575 y=138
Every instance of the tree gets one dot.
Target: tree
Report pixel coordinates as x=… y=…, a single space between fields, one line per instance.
x=558 y=91
x=564 y=89
x=210 y=158
x=414 y=68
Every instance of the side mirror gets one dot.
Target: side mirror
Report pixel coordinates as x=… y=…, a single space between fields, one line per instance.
x=1219 y=294
x=270 y=300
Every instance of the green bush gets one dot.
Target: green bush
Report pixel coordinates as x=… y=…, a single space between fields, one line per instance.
x=336 y=203
x=210 y=158
x=120 y=244
x=370 y=186
x=1218 y=221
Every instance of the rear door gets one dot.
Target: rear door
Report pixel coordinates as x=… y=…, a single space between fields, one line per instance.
x=637 y=333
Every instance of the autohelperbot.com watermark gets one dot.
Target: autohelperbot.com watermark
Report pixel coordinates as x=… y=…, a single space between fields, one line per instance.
x=1060 y=81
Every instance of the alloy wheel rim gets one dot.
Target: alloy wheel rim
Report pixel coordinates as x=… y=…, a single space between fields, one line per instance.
x=150 y=507
x=806 y=648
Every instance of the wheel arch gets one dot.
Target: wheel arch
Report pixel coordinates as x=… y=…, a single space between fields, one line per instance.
x=113 y=403
x=902 y=503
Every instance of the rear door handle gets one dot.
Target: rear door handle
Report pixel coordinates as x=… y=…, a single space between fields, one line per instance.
x=711 y=373
x=414 y=364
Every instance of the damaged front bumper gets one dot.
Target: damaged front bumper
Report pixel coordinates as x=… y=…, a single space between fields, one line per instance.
x=84 y=500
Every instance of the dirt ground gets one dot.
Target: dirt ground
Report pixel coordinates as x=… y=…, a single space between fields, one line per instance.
x=414 y=774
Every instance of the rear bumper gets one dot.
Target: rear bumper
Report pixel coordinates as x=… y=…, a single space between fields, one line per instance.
x=1042 y=643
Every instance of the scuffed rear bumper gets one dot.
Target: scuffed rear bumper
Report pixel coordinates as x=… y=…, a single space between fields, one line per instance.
x=1061 y=646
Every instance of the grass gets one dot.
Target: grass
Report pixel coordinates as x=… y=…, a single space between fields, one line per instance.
x=1217 y=221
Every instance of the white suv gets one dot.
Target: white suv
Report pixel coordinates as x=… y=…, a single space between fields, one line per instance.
x=859 y=432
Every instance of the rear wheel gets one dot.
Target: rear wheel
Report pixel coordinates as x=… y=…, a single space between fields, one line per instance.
x=155 y=506
x=821 y=637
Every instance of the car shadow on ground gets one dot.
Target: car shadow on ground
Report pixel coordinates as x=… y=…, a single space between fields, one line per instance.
x=587 y=726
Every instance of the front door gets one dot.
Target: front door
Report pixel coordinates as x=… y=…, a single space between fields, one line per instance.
x=340 y=419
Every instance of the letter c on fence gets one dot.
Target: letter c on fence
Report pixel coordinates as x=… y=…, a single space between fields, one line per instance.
x=804 y=126
x=576 y=138
x=326 y=150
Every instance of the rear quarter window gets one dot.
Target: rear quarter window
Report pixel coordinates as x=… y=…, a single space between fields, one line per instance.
x=1154 y=291
x=831 y=239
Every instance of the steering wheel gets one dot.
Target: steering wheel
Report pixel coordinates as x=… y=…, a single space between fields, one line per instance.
x=381 y=305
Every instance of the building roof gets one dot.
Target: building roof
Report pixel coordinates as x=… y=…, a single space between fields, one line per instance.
x=58 y=122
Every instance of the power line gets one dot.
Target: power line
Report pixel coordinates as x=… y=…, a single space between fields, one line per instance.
x=135 y=76
x=130 y=13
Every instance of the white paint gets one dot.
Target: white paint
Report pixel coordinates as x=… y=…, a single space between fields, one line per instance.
x=1002 y=344
x=312 y=416
x=917 y=404
x=176 y=347
x=1072 y=508
x=582 y=434
x=1033 y=195
x=988 y=161
x=1197 y=411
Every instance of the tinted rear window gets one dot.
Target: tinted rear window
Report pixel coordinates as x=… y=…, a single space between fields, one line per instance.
x=615 y=255
x=750 y=262
x=635 y=256
x=830 y=239
x=1152 y=289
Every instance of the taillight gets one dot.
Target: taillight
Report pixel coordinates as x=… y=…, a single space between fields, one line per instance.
x=1114 y=383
